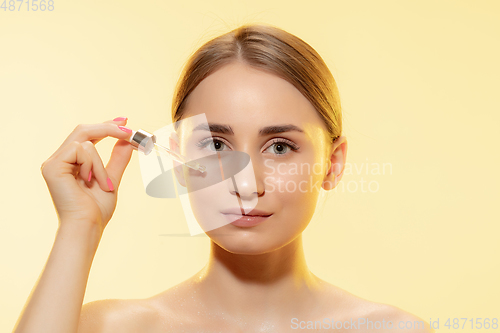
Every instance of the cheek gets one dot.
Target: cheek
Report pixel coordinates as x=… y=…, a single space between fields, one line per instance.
x=207 y=203
x=296 y=186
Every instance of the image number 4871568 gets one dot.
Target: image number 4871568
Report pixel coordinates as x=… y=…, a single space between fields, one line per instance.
x=27 y=5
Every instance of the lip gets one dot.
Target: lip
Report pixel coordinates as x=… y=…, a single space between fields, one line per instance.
x=253 y=212
x=245 y=221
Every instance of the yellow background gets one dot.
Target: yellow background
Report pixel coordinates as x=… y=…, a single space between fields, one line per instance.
x=419 y=85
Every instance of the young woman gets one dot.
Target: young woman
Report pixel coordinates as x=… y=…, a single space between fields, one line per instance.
x=264 y=92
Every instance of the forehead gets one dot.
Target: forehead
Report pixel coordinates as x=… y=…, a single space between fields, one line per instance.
x=246 y=97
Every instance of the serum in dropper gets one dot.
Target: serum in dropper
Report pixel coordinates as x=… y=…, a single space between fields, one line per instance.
x=145 y=142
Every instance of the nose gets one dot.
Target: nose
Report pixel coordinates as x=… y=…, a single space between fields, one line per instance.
x=245 y=184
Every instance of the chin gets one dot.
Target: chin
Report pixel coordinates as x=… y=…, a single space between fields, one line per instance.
x=248 y=241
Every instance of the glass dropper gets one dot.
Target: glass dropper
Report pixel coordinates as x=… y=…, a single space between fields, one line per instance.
x=145 y=142
x=179 y=158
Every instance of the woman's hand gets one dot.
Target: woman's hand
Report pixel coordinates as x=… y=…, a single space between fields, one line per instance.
x=78 y=198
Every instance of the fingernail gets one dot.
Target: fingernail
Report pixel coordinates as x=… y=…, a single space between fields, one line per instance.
x=125 y=129
x=110 y=185
x=90 y=175
x=120 y=119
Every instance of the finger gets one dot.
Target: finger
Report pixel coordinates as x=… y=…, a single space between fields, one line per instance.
x=88 y=132
x=73 y=157
x=120 y=157
x=85 y=170
x=98 y=171
x=54 y=170
x=120 y=121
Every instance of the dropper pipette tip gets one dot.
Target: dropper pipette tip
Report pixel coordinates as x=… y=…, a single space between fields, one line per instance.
x=179 y=158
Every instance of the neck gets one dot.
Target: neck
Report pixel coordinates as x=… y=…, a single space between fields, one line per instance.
x=254 y=284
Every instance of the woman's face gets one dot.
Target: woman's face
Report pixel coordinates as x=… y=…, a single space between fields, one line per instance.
x=287 y=168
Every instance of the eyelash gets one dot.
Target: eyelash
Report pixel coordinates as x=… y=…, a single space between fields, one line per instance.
x=286 y=142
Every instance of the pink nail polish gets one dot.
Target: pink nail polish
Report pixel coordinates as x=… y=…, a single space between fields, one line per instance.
x=90 y=175
x=120 y=119
x=110 y=185
x=125 y=129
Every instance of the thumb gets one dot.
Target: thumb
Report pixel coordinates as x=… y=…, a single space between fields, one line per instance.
x=120 y=157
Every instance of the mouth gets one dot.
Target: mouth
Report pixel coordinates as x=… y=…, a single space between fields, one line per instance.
x=251 y=219
x=252 y=213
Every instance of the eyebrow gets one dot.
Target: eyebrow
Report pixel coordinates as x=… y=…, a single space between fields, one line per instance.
x=226 y=129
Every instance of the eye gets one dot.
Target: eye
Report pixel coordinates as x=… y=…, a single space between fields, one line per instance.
x=217 y=144
x=282 y=146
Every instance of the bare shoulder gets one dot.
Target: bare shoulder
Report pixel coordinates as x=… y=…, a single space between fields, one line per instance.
x=398 y=319
x=368 y=316
x=117 y=315
x=169 y=311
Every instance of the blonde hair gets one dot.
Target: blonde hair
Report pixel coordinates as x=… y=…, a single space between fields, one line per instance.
x=272 y=49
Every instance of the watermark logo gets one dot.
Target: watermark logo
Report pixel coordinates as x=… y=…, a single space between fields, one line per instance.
x=306 y=177
x=355 y=324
